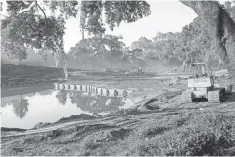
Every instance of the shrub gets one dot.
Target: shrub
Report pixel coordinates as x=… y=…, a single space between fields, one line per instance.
x=151 y=132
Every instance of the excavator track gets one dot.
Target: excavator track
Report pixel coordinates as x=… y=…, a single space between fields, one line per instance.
x=215 y=95
x=186 y=96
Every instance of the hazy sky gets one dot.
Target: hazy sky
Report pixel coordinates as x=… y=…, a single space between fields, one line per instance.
x=166 y=16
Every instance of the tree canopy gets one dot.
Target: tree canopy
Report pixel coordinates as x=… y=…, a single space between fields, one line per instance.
x=221 y=27
x=107 y=47
x=41 y=25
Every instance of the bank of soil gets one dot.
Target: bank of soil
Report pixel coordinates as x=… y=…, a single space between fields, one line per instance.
x=157 y=124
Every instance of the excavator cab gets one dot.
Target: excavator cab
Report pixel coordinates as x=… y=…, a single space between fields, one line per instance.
x=199 y=70
x=200 y=76
x=201 y=85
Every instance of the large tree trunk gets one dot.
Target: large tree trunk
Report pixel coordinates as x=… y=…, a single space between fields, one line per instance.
x=221 y=28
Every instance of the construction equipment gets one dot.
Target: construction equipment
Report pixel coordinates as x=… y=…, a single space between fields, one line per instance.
x=201 y=85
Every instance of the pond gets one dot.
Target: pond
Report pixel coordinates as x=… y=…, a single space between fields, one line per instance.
x=26 y=110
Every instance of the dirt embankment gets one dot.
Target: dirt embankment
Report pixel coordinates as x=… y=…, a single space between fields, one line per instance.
x=166 y=132
x=158 y=124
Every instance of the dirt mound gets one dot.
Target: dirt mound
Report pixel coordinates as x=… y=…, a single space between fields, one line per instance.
x=154 y=103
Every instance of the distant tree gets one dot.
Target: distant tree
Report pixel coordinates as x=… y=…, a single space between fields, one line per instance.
x=192 y=44
x=19 y=54
x=45 y=58
x=134 y=57
x=106 y=47
x=164 y=45
x=147 y=47
x=12 y=49
x=43 y=54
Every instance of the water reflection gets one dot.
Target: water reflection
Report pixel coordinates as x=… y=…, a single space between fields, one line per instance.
x=62 y=97
x=95 y=104
x=87 y=102
x=20 y=107
x=24 y=111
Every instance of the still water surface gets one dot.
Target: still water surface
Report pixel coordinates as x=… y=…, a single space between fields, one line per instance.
x=25 y=111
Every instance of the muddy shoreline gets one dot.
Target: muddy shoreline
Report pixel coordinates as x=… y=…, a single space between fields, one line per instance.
x=146 y=100
x=141 y=95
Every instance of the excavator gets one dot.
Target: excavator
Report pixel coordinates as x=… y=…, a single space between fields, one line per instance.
x=201 y=85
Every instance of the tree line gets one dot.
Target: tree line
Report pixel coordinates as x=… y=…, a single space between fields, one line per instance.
x=41 y=25
x=192 y=44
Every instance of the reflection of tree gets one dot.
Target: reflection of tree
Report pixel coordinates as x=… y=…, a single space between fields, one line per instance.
x=20 y=108
x=3 y=104
x=8 y=101
x=93 y=103
x=62 y=96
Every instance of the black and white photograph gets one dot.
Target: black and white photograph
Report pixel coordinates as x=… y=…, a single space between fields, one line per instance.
x=117 y=78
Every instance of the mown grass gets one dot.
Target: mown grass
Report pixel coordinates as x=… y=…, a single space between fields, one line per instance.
x=26 y=72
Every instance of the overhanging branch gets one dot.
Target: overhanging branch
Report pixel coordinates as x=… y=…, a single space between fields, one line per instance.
x=40 y=9
x=29 y=7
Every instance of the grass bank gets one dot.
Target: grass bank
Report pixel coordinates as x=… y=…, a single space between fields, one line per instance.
x=174 y=129
x=194 y=133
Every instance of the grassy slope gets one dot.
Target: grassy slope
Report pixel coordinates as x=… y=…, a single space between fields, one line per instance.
x=21 y=73
x=35 y=78
x=194 y=133
x=175 y=129
x=25 y=71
